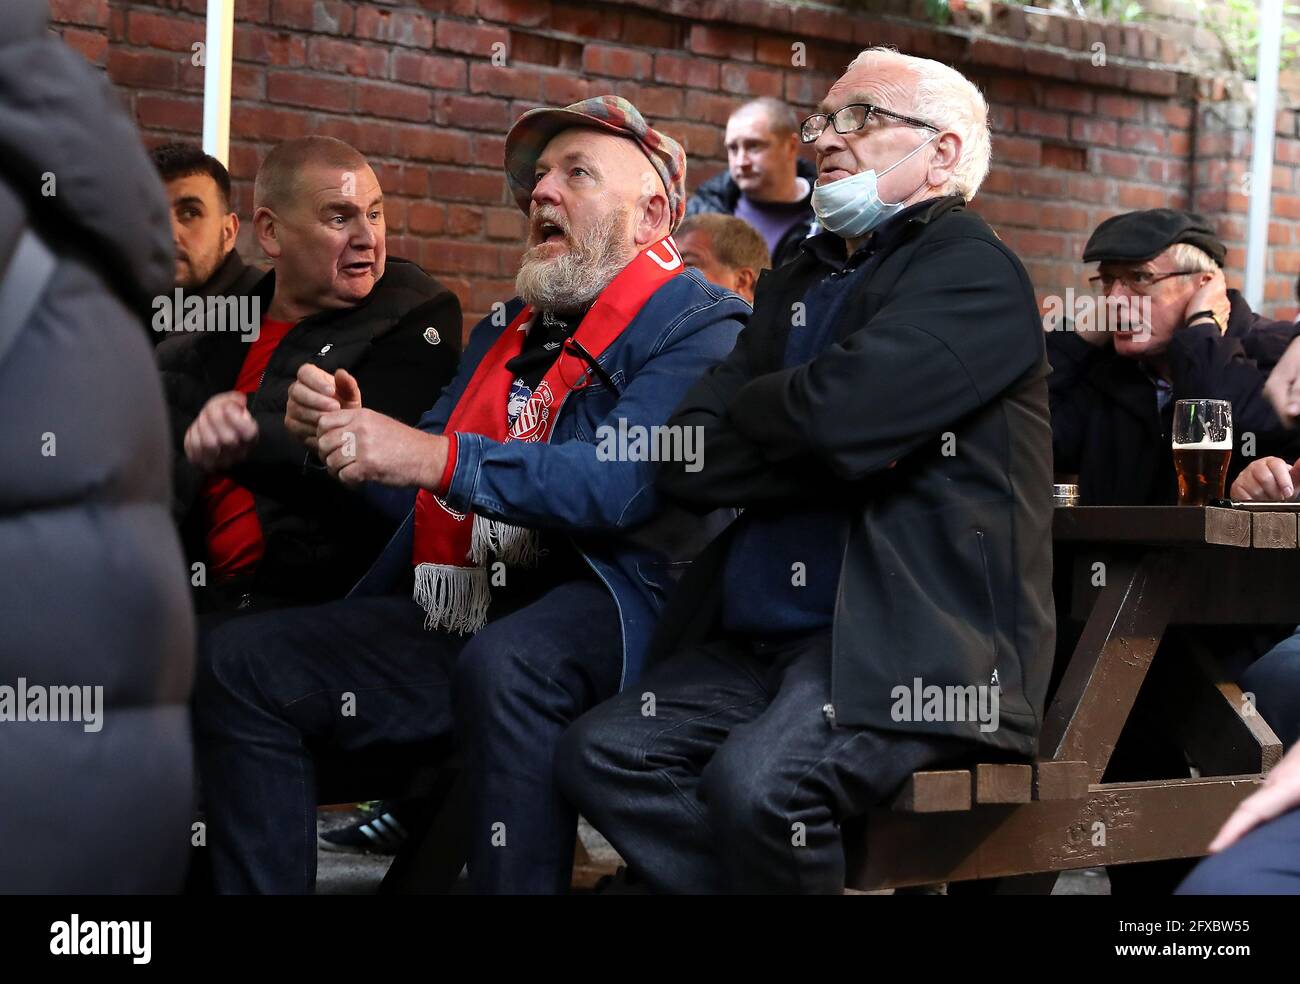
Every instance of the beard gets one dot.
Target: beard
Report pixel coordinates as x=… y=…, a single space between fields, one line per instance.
x=577 y=276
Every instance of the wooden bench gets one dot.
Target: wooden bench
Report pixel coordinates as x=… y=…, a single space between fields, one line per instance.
x=1163 y=566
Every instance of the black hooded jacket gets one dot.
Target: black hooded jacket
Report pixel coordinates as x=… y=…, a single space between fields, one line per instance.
x=721 y=193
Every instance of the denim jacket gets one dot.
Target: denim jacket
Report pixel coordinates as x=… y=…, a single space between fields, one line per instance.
x=635 y=541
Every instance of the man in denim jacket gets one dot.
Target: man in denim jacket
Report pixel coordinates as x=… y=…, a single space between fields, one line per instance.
x=534 y=543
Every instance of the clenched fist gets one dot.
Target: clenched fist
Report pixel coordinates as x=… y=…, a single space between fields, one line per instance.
x=313 y=393
x=222 y=434
x=364 y=446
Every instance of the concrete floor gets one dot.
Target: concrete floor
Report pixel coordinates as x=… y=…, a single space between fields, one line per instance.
x=360 y=874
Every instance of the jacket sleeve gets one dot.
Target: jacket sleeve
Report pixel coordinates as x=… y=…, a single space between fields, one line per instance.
x=1071 y=401
x=733 y=470
x=574 y=486
x=400 y=375
x=1205 y=364
x=960 y=327
x=183 y=405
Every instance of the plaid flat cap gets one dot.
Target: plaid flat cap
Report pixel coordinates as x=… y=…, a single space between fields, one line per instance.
x=613 y=114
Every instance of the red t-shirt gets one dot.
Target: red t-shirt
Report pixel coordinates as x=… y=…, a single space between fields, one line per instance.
x=234 y=535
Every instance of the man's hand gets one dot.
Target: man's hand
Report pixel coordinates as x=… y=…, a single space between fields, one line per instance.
x=364 y=446
x=1280 y=793
x=1266 y=480
x=222 y=434
x=1213 y=296
x=1283 y=387
x=315 y=392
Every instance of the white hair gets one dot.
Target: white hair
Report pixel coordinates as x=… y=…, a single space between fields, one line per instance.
x=1185 y=256
x=946 y=98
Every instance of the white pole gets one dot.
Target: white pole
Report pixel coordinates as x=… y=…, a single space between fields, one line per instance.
x=217 y=54
x=1261 y=162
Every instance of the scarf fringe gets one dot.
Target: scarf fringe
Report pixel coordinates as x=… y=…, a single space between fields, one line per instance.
x=514 y=546
x=454 y=598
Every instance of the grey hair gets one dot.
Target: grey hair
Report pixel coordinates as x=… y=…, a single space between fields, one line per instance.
x=1185 y=256
x=946 y=98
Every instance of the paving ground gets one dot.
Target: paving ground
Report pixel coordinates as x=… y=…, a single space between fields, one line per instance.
x=360 y=874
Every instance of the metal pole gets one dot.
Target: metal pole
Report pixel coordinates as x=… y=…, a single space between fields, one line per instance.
x=1261 y=162
x=218 y=51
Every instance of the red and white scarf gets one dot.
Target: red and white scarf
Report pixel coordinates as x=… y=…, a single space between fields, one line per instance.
x=452 y=550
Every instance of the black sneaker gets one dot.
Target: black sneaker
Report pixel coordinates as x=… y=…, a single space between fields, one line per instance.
x=383 y=832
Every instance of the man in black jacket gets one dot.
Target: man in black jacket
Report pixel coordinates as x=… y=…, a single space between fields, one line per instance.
x=883 y=603
x=260 y=512
x=204 y=225
x=766 y=182
x=1179 y=333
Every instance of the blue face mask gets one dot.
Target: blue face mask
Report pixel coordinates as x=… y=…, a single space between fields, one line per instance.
x=851 y=207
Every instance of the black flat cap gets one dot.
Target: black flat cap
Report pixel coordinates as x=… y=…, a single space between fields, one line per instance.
x=1137 y=236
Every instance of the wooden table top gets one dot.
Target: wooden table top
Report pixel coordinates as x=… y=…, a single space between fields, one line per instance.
x=1187 y=525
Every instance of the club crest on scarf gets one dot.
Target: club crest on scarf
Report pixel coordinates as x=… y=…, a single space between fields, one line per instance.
x=451 y=551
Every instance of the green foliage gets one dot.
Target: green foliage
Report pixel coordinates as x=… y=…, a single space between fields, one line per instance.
x=1236 y=24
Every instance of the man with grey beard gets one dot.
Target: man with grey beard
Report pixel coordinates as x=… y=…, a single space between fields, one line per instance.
x=529 y=570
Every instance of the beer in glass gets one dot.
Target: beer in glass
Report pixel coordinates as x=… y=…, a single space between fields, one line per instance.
x=1202 y=445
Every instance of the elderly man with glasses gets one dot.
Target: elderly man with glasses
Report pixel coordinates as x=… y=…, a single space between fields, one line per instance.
x=1167 y=328
x=883 y=422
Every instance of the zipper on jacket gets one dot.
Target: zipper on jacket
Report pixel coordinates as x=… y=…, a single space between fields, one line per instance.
x=988 y=592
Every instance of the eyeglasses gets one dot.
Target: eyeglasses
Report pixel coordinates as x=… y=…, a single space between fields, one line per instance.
x=583 y=379
x=852 y=118
x=1138 y=281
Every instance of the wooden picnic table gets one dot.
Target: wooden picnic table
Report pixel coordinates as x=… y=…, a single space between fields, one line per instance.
x=1161 y=566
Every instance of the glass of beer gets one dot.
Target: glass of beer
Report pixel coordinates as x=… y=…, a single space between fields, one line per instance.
x=1202 y=448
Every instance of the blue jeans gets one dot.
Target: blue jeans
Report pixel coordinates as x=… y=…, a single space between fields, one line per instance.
x=1264 y=862
x=1274 y=679
x=719 y=772
x=275 y=689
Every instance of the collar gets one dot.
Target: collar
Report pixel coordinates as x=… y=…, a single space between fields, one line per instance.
x=224 y=276
x=831 y=250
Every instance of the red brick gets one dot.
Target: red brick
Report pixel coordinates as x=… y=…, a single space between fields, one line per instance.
x=646 y=31
x=587 y=22
x=1143 y=196
x=1143 y=138
x=169 y=113
x=747 y=81
x=367 y=136
x=471 y=39
x=470 y=112
x=464 y=220
x=146 y=69
x=321 y=16
x=698 y=139
x=708 y=107
x=563 y=89
x=1093 y=131
x=434 y=71
x=762 y=13
x=1119 y=107
x=623 y=63
x=518 y=83
x=162 y=31
x=93 y=45
x=1050 y=64
x=1153 y=81
x=1115 y=165
x=806 y=89
x=408 y=28
x=264 y=123
x=425 y=143
x=244 y=161
x=1064 y=158
x=90 y=12
x=1017 y=150
x=658 y=101
x=270 y=47
x=679 y=70
x=298 y=89
x=392 y=101
x=476 y=258
x=428 y=218
x=332 y=55
x=489 y=149
x=774 y=51
x=996 y=54
x=505 y=223
x=722 y=42
x=1041 y=123
x=1070 y=97
x=459 y=184
x=524 y=13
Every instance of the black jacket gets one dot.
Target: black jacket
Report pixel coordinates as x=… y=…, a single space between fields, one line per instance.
x=233 y=276
x=320 y=537
x=928 y=420
x=94 y=585
x=1106 y=428
x=721 y=193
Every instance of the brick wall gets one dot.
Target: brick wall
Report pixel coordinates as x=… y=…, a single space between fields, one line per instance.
x=414 y=86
